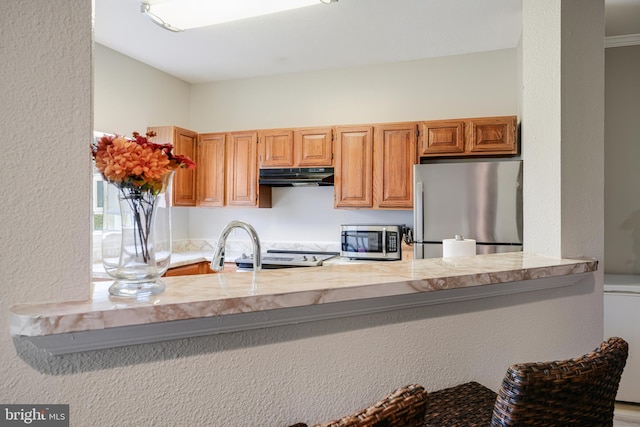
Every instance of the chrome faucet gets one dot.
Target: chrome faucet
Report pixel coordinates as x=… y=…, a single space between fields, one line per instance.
x=217 y=263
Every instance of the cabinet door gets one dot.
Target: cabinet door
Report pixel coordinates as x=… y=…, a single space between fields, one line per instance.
x=314 y=147
x=184 y=142
x=354 y=167
x=276 y=148
x=211 y=168
x=185 y=270
x=442 y=138
x=395 y=154
x=242 y=166
x=493 y=135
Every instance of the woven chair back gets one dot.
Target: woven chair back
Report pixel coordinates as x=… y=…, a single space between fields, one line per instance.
x=575 y=392
x=404 y=407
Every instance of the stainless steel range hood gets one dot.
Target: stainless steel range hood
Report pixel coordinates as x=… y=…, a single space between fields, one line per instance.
x=292 y=177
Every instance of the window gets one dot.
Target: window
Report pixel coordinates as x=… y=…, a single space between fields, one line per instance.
x=98 y=192
x=98 y=200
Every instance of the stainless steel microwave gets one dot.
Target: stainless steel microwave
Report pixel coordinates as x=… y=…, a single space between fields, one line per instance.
x=373 y=241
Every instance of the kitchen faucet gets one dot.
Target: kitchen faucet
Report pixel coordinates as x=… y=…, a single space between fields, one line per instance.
x=217 y=263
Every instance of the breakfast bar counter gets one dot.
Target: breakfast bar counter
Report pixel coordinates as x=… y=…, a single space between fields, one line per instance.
x=216 y=303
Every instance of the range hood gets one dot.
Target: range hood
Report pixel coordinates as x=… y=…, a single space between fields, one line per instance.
x=292 y=177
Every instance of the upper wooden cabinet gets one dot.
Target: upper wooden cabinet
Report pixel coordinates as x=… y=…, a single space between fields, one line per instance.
x=394 y=155
x=442 y=137
x=313 y=147
x=184 y=142
x=374 y=166
x=276 y=148
x=211 y=169
x=469 y=137
x=353 y=181
x=373 y=163
x=288 y=148
x=493 y=135
x=242 y=171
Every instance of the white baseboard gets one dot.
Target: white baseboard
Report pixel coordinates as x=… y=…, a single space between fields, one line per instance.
x=627 y=412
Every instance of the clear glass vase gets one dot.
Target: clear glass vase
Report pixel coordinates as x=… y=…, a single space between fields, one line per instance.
x=136 y=239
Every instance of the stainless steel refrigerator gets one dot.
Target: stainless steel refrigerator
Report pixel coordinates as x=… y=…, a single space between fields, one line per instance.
x=479 y=200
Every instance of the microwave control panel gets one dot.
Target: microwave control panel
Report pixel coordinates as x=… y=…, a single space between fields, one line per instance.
x=392 y=241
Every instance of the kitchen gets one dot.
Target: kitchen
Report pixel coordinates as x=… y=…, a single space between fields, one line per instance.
x=258 y=351
x=309 y=213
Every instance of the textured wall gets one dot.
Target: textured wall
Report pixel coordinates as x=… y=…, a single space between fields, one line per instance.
x=542 y=127
x=276 y=376
x=622 y=151
x=45 y=131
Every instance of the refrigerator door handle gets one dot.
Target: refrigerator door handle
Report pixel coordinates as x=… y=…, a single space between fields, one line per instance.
x=418 y=215
x=418 y=212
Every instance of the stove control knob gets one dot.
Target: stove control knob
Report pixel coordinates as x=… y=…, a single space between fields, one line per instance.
x=313 y=258
x=244 y=256
x=304 y=257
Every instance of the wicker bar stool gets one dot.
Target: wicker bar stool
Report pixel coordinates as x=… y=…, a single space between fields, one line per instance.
x=575 y=392
x=404 y=407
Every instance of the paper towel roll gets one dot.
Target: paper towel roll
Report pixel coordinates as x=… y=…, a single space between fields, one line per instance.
x=458 y=247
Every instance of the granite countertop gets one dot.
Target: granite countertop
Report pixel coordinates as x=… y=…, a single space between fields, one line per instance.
x=218 y=295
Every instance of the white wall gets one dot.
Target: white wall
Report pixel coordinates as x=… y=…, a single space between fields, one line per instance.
x=475 y=85
x=622 y=152
x=275 y=376
x=131 y=96
x=482 y=84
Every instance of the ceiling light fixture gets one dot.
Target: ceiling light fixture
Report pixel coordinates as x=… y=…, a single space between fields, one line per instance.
x=146 y=9
x=179 y=15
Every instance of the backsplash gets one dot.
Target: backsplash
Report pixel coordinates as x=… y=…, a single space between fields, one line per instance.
x=235 y=248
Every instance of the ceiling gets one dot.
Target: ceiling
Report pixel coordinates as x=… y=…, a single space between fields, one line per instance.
x=344 y=34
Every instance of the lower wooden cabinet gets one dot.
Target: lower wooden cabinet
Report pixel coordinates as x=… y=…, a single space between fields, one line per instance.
x=203 y=267
x=187 y=270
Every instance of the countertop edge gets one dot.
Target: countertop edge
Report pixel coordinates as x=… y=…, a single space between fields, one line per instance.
x=104 y=328
x=73 y=342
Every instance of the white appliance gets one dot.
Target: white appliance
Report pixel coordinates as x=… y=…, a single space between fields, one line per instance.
x=622 y=319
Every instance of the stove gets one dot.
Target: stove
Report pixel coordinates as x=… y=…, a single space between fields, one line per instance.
x=286 y=259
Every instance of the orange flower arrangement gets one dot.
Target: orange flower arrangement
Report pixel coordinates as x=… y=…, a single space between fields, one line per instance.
x=137 y=163
x=140 y=169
